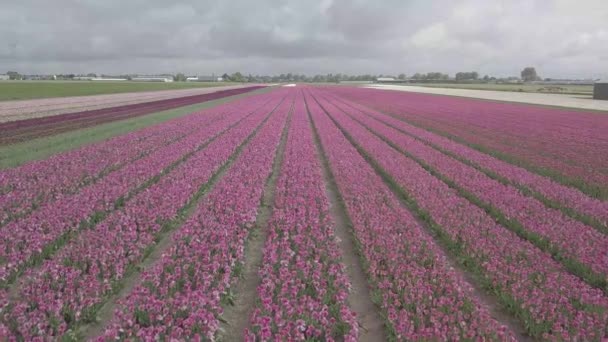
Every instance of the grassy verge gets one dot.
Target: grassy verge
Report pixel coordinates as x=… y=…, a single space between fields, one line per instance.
x=26 y=90
x=17 y=154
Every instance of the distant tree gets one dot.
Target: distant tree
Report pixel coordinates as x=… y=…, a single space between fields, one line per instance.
x=13 y=75
x=237 y=77
x=91 y=75
x=401 y=76
x=467 y=76
x=225 y=77
x=486 y=78
x=179 y=77
x=529 y=74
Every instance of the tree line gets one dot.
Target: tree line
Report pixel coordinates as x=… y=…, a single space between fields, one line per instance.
x=527 y=74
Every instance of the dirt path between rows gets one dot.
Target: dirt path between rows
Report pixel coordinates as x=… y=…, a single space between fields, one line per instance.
x=236 y=317
x=359 y=299
x=165 y=241
x=488 y=301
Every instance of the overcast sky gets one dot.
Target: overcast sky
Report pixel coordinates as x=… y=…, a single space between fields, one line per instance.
x=561 y=38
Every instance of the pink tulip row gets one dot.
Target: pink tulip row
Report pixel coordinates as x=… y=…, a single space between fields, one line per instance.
x=304 y=288
x=30 y=240
x=180 y=296
x=551 y=303
x=571 y=238
x=38 y=182
x=422 y=296
x=66 y=289
x=572 y=143
x=566 y=196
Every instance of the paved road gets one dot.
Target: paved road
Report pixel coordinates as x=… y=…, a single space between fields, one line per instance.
x=561 y=100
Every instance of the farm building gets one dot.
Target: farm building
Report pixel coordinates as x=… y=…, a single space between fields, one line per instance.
x=4 y=78
x=153 y=79
x=203 y=79
x=108 y=79
x=600 y=90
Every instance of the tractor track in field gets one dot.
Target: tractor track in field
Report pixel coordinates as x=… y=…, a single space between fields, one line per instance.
x=486 y=299
x=236 y=317
x=372 y=326
x=164 y=242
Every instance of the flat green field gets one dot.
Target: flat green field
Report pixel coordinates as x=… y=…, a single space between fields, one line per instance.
x=527 y=88
x=24 y=90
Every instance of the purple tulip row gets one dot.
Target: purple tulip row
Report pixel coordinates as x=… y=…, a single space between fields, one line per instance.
x=571 y=142
x=572 y=238
x=565 y=196
x=550 y=302
x=422 y=296
x=31 y=239
x=304 y=288
x=36 y=183
x=66 y=289
x=180 y=296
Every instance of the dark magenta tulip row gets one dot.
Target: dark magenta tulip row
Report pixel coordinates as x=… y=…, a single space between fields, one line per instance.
x=573 y=143
x=180 y=296
x=35 y=183
x=552 y=303
x=572 y=238
x=304 y=286
x=565 y=196
x=31 y=237
x=421 y=294
x=66 y=289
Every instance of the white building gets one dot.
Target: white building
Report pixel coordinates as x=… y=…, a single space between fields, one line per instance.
x=4 y=77
x=108 y=79
x=385 y=79
x=153 y=79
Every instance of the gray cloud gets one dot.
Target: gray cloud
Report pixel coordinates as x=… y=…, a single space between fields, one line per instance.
x=562 y=38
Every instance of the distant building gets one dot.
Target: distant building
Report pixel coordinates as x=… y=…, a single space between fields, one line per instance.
x=600 y=90
x=385 y=79
x=203 y=79
x=4 y=77
x=153 y=79
x=108 y=79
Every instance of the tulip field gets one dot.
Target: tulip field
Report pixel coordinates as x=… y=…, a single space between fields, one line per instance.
x=309 y=213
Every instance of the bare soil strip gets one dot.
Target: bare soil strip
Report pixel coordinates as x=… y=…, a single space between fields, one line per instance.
x=164 y=241
x=497 y=311
x=359 y=299
x=235 y=318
